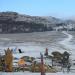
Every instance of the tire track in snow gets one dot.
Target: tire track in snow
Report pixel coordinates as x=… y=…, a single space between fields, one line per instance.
x=66 y=42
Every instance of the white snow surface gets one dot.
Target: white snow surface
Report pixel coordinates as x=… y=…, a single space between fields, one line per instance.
x=34 y=50
x=26 y=73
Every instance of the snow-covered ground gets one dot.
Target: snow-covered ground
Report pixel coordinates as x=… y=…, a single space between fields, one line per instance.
x=68 y=46
x=33 y=50
x=28 y=73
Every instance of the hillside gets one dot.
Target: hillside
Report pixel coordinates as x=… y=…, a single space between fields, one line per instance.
x=12 y=22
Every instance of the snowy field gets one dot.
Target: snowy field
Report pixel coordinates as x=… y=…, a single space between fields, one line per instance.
x=31 y=43
x=34 y=43
x=26 y=73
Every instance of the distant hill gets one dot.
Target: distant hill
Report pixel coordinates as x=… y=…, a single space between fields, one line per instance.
x=13 y=22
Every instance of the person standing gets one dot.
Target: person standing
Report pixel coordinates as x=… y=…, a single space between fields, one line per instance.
x=46 y=52
x=68 y=67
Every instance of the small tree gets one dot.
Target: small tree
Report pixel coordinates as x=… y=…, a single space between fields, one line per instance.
x=8 y=60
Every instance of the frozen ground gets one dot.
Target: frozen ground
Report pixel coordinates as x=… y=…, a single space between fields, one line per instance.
x=31 y=43
x=34 y=43
x=26 y=73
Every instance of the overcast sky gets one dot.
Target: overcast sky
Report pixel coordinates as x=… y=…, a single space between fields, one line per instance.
x=57 y=8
